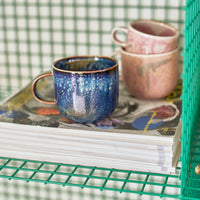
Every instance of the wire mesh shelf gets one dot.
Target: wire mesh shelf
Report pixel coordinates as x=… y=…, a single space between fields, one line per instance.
x=141 y=183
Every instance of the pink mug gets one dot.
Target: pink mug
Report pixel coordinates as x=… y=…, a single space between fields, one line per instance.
x=147 y=37
x=150 y=76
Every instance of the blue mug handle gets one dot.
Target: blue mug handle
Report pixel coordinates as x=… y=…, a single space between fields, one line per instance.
x=35 y=92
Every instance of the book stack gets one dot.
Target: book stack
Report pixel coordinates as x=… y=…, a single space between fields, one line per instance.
x=140 y=135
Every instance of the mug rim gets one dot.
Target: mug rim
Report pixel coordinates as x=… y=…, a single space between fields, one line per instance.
x=176 y=32
x=122 y=49
x=85 y=72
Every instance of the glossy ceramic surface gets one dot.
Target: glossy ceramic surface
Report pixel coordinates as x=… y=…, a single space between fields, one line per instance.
x=150 y=76
x=86 y=87
x=148 y=37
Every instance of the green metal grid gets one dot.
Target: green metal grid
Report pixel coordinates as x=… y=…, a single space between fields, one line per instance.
x=190 y=182
x=90 y=177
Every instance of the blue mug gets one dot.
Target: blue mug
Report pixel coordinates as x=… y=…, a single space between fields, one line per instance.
x=86 y=87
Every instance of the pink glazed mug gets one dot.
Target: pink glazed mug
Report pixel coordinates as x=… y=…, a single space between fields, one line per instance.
x=150 y=76
x=147 y=37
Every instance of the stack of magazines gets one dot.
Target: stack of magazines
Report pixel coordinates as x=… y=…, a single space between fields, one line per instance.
x=140 y=135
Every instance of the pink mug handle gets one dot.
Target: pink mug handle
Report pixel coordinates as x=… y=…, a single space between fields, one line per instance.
x=114 y=37
x=35 y=92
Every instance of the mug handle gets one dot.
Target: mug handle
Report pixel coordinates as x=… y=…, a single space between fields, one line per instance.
x=36 y=94
x=115 y=53
x=114 y=37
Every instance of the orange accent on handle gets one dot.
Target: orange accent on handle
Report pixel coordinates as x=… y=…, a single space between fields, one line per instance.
x=34 y=89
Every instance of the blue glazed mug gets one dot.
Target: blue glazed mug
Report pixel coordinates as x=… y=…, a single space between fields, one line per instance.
x=86 y=87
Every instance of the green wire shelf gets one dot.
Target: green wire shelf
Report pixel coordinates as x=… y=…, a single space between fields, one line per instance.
x=90 y=177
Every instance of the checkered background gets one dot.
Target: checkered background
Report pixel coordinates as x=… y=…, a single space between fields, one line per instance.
x=34 y=33
x=17 y=189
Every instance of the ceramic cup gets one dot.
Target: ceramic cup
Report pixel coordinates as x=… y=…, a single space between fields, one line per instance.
x=86 y=87
x=150 y=76
x=148 y=37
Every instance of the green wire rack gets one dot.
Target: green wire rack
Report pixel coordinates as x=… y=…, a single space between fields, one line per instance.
x=34 y=33
x=190 y=182
x=90 y=177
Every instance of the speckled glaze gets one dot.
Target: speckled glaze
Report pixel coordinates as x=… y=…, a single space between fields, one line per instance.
x=86 y=87
x=150 y=76
x=148 y=37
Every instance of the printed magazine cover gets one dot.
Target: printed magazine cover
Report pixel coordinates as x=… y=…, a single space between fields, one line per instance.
x=137 y=134
x=132 y=115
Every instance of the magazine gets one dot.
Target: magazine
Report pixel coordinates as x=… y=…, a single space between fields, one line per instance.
x=137 y=132
x=132 y=116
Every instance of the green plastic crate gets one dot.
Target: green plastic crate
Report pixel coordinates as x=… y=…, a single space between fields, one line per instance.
x=33 y=33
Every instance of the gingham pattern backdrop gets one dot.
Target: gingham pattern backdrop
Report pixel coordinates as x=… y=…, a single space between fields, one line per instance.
x=15 y=189
x=33 y=33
